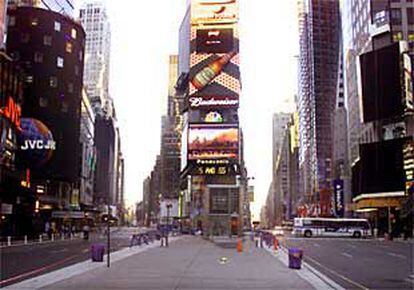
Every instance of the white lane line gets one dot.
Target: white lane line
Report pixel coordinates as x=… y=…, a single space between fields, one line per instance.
x=347 y=255
x=60 y=251
x=316 y=245
x=308 y=273
x=397 y=255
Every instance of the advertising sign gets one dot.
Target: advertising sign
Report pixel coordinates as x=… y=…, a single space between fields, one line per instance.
x=338 y=196
x=214 y=40
x=36 y=143
x=213 y=142
x=211 y=102
x=214 y=11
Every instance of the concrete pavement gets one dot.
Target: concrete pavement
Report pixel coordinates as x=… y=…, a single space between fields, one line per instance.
x=190 y=263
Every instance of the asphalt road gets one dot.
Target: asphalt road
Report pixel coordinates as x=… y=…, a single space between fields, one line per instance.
x=360 y=263
x=19 y=263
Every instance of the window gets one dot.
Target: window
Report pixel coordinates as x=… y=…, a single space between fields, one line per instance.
x=69 y=47
x=57 y=26
x=396 y=16
x=38 y=57
x=53 y=82
x=29 y=79
x=43 y=102
x=47 y=40
x=74 y=32
x=410 y=15
x=12 y=21
x=24 y=37
x=80 y=55
x=70 y=87
x=59 y=61
x=34 y=22
x=15 y=55
x=65 y=107
x=411 y=36
x=76 y=70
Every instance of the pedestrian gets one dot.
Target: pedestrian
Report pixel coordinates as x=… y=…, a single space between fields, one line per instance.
x=86 y=232
x=48 y=230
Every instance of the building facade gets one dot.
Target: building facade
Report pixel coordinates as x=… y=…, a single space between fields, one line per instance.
x=49 y=48
x=319 y=30
x=64 y=7
x=94 y=19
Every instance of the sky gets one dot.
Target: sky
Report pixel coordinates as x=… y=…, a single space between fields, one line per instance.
x=145 y=33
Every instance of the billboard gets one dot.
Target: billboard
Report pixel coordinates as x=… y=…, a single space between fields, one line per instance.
x=214 y=11
x=372 y=174
x=212 y=102
x=338 y=197
x=381 y=72
x=214 y=40
x=211 y=142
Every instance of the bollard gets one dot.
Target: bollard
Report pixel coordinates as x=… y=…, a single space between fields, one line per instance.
x=9 y=241
x=276 y=244
x=25 y=240
x=40 y=238
x=239 y=246
x=52 y=238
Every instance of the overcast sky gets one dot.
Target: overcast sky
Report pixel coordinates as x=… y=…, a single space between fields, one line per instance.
x=145 y=33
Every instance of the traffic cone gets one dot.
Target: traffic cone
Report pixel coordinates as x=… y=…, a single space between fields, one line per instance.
x=239 y=246
x=276 y=244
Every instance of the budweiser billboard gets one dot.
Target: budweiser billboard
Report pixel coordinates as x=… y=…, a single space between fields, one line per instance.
x=214 y=11
x=212 y=102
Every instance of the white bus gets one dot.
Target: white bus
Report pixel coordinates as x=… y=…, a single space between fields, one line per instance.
x=333 y=227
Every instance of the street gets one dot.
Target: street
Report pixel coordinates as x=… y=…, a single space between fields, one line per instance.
x=25 y=261
x=360 y=263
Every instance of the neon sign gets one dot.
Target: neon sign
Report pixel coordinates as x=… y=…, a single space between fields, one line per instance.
x=13 y=112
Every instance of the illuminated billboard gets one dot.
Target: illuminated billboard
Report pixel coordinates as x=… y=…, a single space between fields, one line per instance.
x=212 y=102
x=214 y=11
x=211 y=142
x=214 y=40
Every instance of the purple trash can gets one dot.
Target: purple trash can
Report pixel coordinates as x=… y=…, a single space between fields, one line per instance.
x=295 y=258
x=97 y=252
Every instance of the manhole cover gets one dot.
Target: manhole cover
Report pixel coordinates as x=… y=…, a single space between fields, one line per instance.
x=223 y=260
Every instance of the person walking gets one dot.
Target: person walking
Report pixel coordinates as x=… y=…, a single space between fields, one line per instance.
x=86 y=232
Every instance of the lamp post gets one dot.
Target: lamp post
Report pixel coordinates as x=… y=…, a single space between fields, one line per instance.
x=169 y=205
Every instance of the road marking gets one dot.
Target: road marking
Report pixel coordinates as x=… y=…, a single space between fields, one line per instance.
x=358 y=285
x=14 y=278
x=316 y=245
x=347 y=255
x=308 y=273
x=85 y=250
x=60 y=251
x=397 y=255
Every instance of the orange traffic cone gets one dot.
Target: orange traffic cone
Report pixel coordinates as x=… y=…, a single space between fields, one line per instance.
x=239 y=246
x=276 y=244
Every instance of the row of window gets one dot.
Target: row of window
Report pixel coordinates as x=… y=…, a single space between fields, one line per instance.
x=53 y=83
x=35 y=22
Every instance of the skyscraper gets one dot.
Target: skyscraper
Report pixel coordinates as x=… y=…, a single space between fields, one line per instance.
x=319 y=30
x=94 y=19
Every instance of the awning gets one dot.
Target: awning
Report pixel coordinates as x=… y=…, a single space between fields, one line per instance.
x=378 y=202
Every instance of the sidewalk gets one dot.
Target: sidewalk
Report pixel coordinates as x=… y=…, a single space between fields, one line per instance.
x=190 y=263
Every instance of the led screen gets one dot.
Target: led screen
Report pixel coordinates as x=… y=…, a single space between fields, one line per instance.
x=381 y=83
x=214 y=40
x=213 y=142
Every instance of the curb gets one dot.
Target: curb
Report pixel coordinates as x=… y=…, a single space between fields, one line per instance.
x=79 y=268
x=308 y=273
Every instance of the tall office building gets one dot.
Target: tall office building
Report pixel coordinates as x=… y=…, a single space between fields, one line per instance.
x=94 y=19
x=64 y=7
x=319 y=28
